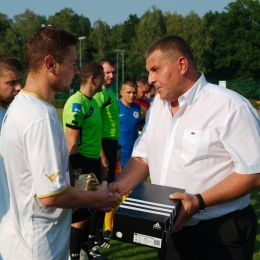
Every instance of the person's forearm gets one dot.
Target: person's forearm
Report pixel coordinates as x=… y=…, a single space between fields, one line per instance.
x=71 y=198
x=73 y=149
x=231 y=188
x=136 y=170
x=102 y=153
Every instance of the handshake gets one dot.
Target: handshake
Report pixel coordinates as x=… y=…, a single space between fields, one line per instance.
x=106 y=196
x=110 y=197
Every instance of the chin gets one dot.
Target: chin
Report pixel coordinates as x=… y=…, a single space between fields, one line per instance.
x=164 y=98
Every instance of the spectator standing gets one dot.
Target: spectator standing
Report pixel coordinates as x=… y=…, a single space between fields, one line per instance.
x=107 y=103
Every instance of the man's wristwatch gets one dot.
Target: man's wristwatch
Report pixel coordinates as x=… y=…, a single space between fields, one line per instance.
x=77 y=174
x=201 y=202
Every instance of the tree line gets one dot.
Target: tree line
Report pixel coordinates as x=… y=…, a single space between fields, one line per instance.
x=226 y=45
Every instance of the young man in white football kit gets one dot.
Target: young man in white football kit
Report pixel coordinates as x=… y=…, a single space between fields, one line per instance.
x=34 y=157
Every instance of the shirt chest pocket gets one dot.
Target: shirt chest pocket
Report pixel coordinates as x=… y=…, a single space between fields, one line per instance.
x=195 y=144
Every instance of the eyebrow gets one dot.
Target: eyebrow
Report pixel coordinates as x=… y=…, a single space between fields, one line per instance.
x=14 y=80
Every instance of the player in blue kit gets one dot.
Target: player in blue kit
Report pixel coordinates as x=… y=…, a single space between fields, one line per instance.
x=131 y=115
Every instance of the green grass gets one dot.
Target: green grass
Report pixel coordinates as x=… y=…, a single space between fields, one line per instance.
x=255 y=202
x=122 y=251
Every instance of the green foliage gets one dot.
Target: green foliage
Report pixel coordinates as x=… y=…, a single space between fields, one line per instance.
x=248 y=88
x=254 y=103
x=59 y=103
x=237 y=37
x=76 y=24
x=100 y=39
x=226 y=45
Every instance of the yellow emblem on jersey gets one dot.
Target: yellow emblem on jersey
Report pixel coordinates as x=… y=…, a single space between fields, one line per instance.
x=53 y=177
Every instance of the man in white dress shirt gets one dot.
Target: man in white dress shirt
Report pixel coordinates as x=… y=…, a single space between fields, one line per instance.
x=205 y=139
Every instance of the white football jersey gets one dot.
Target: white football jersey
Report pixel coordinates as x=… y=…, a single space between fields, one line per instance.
x=33 y=165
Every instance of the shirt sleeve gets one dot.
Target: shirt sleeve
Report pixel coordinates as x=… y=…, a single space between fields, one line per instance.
x=99 y=97
x=241 y=138
x=73 y=115
x=42 y=144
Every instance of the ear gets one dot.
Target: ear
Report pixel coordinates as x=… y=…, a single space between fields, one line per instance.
x=50 y=64
x=183 y=65
x=91 y=80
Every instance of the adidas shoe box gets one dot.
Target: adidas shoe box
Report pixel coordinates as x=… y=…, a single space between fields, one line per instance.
x=146 y=216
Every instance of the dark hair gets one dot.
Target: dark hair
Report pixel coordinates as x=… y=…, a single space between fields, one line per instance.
x=142 y=80
x=173 y=46
x=50 y=40
x=130 y=83
x=9 y=63
x=89 y=68
x=108 y=61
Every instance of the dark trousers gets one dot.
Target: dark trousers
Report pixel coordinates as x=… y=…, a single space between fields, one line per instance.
x=231 y=236
x=110 y=149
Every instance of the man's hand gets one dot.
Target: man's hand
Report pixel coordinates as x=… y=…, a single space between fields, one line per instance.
x=114 y=187
x=108 y=198
x=189 y=206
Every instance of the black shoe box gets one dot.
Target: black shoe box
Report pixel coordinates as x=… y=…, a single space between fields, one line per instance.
x=146 y=216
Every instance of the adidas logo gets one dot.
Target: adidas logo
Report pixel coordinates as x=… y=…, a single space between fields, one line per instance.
x=157 y=226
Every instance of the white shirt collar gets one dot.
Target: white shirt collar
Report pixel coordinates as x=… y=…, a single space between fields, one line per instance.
x=191 y=95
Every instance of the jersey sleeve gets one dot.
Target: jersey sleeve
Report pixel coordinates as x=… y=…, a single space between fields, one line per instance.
x=99 y=97
x=73 y=115
x=44 y=150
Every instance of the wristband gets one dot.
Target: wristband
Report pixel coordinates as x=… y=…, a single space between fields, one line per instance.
x=75 y=161
x=201 y=202
x=119 y=146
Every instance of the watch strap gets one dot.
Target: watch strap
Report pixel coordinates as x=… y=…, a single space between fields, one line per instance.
x=201 y=202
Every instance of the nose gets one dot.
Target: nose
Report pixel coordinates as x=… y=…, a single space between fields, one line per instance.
x=18 y=86
x=76 y=71
x=151 y=78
